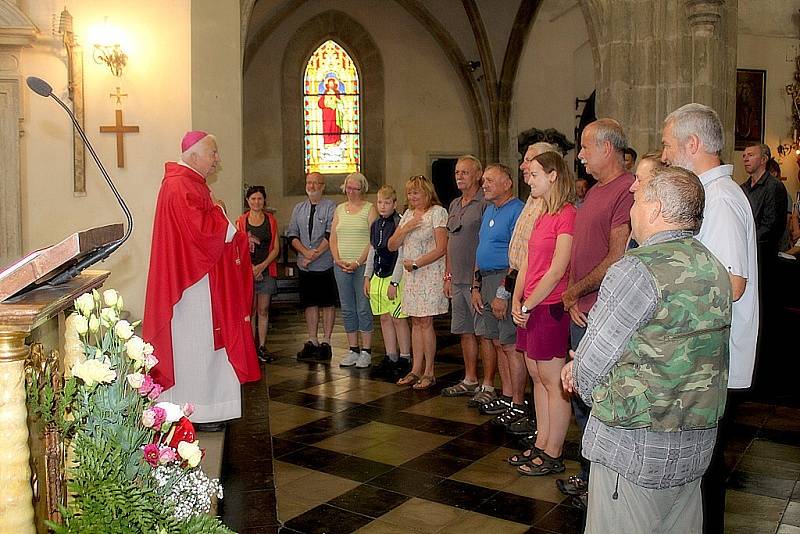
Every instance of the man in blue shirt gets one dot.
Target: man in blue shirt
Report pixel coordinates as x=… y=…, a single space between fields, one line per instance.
x=494 y=325
x=309 y=230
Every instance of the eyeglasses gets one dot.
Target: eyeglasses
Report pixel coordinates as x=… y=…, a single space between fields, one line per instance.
x=352 y=189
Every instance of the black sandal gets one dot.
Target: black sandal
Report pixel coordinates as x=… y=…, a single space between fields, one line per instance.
x=522 y=458
x=548 y=466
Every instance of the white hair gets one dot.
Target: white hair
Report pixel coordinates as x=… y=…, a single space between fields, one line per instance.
x=702 y=121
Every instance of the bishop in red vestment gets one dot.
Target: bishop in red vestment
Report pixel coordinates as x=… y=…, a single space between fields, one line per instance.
x=199 y=291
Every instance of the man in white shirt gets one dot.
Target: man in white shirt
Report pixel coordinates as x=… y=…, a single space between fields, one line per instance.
x=693 y=139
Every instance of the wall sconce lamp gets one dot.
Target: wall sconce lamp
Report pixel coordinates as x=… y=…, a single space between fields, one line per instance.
x=107 y=48
x=112 y=56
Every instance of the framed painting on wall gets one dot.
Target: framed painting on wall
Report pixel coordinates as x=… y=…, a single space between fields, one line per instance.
x=750 y=104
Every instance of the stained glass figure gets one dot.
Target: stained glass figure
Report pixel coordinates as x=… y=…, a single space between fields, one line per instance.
x=331 y=114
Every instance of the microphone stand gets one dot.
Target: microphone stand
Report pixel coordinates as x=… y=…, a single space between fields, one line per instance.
x=102 y=252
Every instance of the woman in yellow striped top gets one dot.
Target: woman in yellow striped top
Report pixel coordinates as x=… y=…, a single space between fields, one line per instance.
x=349 y=246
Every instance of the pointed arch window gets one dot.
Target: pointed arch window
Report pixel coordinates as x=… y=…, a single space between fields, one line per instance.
x=331 y=111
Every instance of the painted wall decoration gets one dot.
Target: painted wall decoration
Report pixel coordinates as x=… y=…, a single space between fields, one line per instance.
x=331 y=111
x=750 y=100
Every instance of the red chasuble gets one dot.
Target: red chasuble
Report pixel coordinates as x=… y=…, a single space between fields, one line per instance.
x=189 y=242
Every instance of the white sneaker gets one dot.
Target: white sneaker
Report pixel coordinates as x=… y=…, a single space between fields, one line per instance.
x=364 y=361
x=349 y=360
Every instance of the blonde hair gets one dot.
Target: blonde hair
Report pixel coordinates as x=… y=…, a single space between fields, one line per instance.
x=424 y=184
x=387 y=191
x=562 y=191
x=358 y=177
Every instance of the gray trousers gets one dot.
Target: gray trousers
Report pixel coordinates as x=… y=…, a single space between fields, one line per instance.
x=639 y=510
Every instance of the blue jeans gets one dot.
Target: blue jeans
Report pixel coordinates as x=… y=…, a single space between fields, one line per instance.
x=356 y=312
x=579 y=407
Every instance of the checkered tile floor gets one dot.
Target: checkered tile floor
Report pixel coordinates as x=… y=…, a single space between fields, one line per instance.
x=354 y=453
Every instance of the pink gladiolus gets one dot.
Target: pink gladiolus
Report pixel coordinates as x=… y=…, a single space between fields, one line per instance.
x=147 y=385
x=151 y=454
x=160 y=416
x=166 y=455
x=188 y=409
x=155 y=392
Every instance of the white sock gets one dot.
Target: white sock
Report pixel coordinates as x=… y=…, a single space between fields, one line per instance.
x=405 y=356
x=392 y=357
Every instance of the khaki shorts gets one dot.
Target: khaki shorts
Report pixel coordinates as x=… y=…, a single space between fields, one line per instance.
x=462 y=314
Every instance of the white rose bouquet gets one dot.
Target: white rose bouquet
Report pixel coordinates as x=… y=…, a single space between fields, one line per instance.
x=136 y=460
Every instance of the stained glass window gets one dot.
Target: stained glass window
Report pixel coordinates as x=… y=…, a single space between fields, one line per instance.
x=331 y=114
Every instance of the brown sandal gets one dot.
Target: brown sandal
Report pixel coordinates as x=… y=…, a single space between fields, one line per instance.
x=424 y=382
x=408 y=380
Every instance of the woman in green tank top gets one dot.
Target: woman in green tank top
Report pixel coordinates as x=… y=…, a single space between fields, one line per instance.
x=349 y=246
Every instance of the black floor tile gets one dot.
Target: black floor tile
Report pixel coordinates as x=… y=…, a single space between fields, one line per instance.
x=369 y=500
x=761 y=485
x=468 y=450
x=281 y=447
x=515 y=508
x=249 y=477
x=406 y=481
x=321 y=429
x=487 y=433
x=444 y=427
x=314 y=458
x=355 y=468
x=315 y=402
x=562 y=519
x=327 y=519
x=786 y=437
x=248 y=509
x=459 y=494
x=436 y=464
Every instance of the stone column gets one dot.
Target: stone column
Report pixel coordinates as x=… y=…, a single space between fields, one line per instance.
x=656 y=55
x=16 y=497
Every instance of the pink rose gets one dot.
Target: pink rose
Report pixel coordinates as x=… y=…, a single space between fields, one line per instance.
x=160 y=416
x=149 y=418
x=188 y=409
x=166 y=455
x=147 y=385
x=155 y=392
x=151 y=454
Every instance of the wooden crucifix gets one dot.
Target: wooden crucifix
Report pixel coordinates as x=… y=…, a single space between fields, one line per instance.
x=119 y=129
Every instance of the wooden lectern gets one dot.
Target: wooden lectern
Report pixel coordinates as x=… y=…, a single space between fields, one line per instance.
x=30 y=309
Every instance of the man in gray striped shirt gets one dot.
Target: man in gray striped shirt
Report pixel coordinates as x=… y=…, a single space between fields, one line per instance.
x=653 y=423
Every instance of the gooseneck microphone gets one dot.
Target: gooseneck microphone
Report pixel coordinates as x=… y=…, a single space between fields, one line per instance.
x=42 y=88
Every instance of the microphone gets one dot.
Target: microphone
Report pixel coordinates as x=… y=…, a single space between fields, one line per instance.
x=42 y=88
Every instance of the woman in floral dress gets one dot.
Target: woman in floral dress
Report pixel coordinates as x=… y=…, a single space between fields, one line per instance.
x=423 y=235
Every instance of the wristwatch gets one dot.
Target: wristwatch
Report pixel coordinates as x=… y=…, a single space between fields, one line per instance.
x=525 y=309
x=394 y=284
x=502 y=293
x=414 y=266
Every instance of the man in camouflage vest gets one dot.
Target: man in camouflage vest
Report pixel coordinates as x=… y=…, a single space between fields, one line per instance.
x=654 y=367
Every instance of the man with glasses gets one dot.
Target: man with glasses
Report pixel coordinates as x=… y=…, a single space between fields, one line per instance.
x=463 y=224
x=309 y=231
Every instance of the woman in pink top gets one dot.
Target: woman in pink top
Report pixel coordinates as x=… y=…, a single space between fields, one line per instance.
x=543 y=325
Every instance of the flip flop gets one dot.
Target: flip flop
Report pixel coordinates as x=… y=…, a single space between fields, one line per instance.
x=408 y=380
x=424 y=382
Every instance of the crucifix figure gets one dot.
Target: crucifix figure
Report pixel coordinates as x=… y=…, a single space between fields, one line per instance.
x=119 y=129
x=118 y=95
